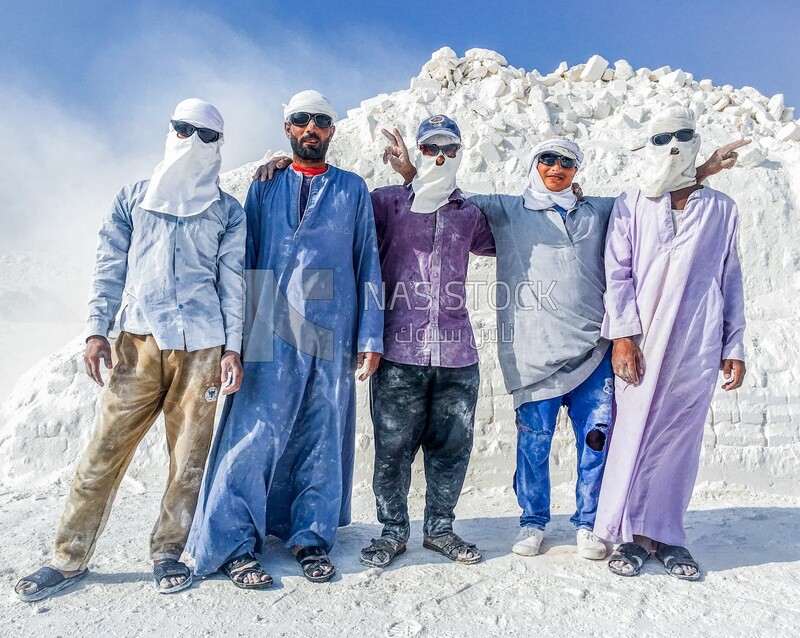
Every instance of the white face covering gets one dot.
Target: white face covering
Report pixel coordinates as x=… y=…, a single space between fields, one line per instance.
x=666 y=171
x=186 y=182
x=536 y=195
x=434 y=183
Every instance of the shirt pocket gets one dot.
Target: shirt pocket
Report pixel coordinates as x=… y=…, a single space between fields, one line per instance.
x=205 y=234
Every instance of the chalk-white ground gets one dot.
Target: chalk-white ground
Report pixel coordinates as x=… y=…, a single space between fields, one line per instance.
x=747 y=544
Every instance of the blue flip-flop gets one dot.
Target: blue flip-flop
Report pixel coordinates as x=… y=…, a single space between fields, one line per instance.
x=48 y=581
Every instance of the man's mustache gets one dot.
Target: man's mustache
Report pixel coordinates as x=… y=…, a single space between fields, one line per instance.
x=310 y=136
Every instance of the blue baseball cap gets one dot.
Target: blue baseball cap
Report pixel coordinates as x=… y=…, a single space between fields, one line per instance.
x=438 y=125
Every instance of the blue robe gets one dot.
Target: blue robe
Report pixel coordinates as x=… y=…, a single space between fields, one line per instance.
x=282 y=458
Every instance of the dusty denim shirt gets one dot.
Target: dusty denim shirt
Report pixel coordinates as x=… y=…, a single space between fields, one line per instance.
x=424 y=260
x=180 y=277
x=549 y=297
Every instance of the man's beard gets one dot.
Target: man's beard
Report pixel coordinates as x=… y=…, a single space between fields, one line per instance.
x=307 y=152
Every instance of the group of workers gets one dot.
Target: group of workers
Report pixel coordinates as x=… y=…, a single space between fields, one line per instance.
x=280 y=305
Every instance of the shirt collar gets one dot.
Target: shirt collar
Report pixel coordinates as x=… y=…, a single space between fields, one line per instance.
x=456 y=197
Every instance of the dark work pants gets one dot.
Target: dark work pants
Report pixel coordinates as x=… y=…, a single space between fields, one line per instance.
x=426 y=407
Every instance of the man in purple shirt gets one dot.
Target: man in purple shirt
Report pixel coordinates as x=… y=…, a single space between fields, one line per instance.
x=425 y=391
x=426 y=388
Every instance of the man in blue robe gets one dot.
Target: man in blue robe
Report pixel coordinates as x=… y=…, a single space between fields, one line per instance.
x=282 y=458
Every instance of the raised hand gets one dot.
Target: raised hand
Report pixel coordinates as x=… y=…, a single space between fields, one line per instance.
x=396 y=155
x=724 y=157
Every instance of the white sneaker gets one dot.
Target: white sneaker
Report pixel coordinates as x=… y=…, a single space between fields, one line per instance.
x=528 y=542
x=590 y=546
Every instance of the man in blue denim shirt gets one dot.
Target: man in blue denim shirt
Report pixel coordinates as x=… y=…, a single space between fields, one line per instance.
x=172 y=249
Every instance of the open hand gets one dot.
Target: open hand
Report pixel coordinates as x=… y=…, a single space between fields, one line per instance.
x=267 y=171
x=97 y=348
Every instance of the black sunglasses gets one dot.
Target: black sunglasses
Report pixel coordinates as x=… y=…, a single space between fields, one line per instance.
x=550 y=159
x=206 y=135
x=302 y=119
x=432 y=150
x=684 y=135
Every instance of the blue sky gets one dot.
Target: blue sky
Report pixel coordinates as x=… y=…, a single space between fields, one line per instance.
x=86 y=87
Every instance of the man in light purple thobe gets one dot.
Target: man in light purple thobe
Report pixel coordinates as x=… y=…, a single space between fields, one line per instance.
x=675 y=311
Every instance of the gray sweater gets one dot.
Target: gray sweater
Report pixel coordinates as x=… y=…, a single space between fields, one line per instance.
x=549 y=295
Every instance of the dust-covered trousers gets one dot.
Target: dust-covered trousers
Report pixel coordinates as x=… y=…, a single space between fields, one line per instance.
x=143 y=382
x=428 y=407
x=590 y=409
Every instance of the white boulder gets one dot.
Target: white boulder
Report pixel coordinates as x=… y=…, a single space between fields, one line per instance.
x=594 y=69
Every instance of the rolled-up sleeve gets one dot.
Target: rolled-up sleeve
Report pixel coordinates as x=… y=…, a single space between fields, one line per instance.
x=110 y=272
x=230 y=280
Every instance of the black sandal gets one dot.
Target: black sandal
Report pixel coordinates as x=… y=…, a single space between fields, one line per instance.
x=453 y=547
x=48 y=581
x=237 y=568
x=672 y=556
x=631 y=554
x=381 y=552
x=169 y=569
x=314 y=559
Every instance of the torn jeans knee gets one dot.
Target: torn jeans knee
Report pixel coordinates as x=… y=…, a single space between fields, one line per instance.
x=596 y=437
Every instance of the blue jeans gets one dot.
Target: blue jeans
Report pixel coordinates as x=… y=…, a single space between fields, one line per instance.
x=589 y=408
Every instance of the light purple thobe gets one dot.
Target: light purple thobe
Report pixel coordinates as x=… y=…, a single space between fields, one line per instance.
x=680 y=296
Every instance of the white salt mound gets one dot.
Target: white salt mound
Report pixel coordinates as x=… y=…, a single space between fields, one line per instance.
x=753 y=434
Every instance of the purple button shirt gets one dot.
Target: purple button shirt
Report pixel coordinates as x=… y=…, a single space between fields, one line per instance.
x=424 y=260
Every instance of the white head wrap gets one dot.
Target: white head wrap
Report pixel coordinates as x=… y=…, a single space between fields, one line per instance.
x=667 y=172
x=434 y=183
x=309 y=101
x=536 y=195
x=186 y=182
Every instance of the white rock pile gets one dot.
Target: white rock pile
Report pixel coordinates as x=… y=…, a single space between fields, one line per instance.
x=753 y=435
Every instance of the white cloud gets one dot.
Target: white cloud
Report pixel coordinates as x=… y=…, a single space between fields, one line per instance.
x=61 y=169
